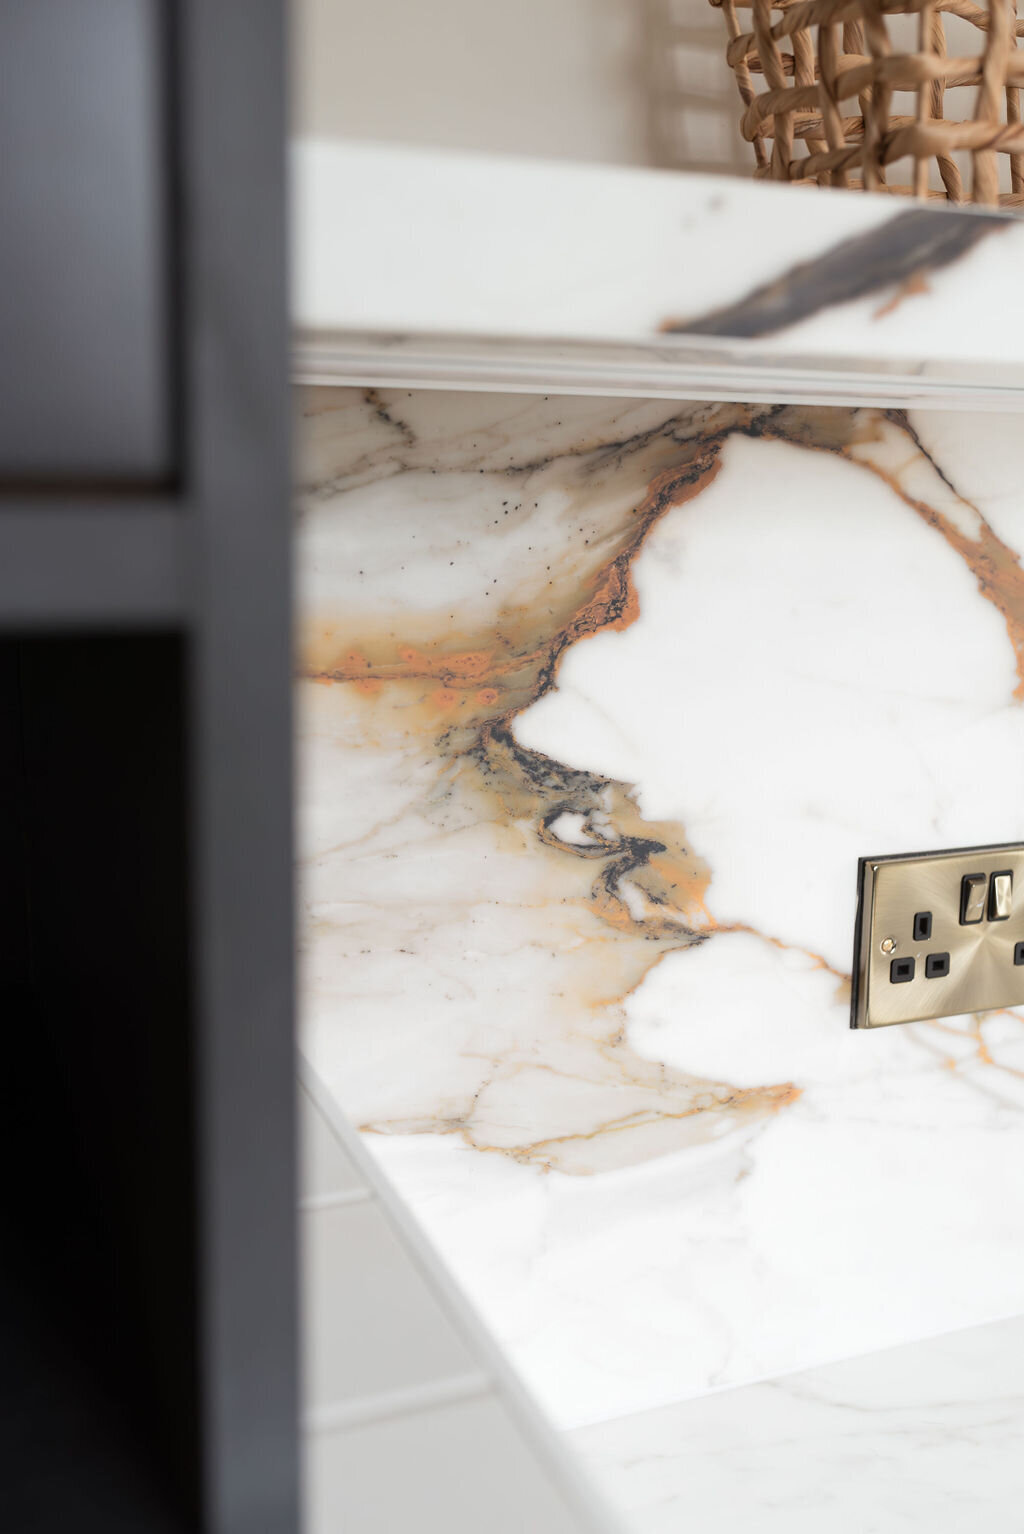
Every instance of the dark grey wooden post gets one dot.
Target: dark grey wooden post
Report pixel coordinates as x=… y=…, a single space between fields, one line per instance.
x=149 y=1306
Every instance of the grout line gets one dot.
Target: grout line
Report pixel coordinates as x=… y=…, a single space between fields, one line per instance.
x=314 y=1201
x=396 y=1403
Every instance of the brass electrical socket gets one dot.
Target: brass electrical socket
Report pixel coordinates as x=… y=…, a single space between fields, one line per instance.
x=967 y=963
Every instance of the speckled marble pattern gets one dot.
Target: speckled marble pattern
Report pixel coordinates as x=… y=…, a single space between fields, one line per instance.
x=601 y=701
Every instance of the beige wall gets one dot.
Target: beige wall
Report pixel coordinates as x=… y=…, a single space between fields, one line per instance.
x=600 y=80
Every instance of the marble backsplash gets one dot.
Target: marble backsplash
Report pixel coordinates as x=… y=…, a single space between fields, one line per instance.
x=601 y=701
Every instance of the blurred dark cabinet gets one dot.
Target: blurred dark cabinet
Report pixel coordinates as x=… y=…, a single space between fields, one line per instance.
x=85 y=356
x=147 y=1257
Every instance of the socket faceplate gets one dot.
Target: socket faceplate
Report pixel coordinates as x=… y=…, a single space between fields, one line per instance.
x=900 y=978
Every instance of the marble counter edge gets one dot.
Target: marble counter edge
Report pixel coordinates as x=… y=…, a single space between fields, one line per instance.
x=669 y=369
x=395 y=246
x=562 y=1465
x=805 y=1430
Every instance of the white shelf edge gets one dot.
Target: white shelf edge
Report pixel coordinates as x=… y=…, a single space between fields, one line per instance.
x=668 y=371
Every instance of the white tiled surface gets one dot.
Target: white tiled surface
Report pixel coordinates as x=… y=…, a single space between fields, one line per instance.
x=328 y=1175
x=922 y=1439
x=372 y=1323
x=458 y=1467
x=412 y=1419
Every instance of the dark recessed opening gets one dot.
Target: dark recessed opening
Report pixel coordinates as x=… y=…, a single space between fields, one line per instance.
x=1018 y=954
x=99 y=1316
x=922 y=926
x=936 y=965
x=901 y=970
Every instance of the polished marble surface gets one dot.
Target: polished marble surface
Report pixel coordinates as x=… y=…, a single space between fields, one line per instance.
x=922 y=1437
x=601 y=703
x=437 y=266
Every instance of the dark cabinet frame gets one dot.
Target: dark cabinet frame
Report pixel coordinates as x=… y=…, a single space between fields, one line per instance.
x=147 y=867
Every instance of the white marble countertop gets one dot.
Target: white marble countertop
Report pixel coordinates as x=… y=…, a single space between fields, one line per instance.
x=922 y=1437
x=450 y=269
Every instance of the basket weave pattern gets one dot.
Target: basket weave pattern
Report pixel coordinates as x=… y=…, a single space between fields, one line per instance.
x=831 y=70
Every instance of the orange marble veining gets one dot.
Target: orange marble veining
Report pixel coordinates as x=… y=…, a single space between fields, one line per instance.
x=447 y=686
x=995 y=565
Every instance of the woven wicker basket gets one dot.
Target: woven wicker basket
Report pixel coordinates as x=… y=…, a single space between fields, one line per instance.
x=831 y=68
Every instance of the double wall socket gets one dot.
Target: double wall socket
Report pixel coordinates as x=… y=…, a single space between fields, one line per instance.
x=938 y=934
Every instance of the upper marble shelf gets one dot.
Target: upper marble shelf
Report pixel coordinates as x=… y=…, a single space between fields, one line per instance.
x=438 y=269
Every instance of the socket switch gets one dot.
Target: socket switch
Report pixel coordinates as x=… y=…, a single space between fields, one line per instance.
x=938 y=934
